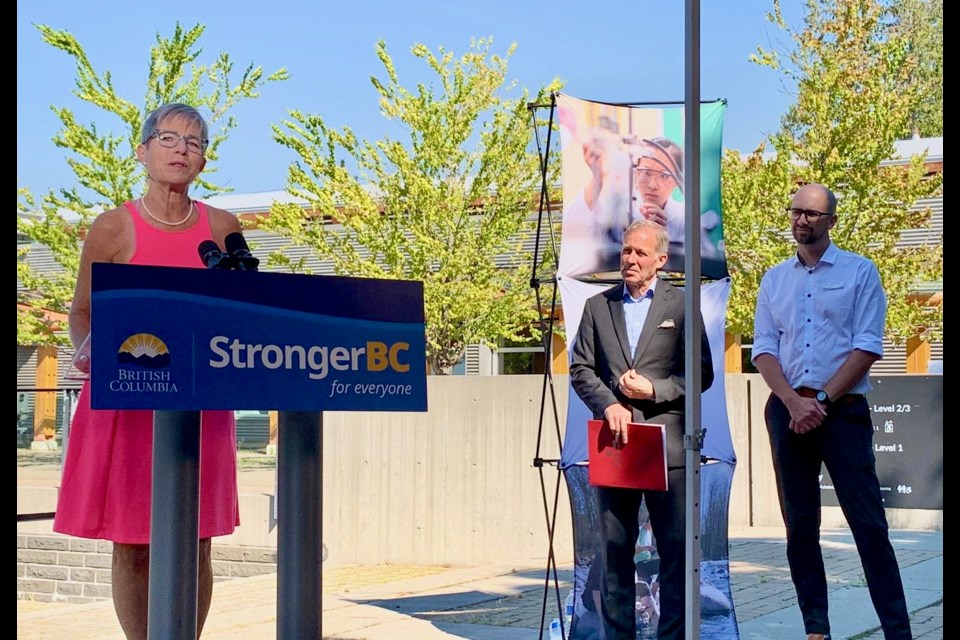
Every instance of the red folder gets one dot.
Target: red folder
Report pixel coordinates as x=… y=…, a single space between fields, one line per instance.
x=639 y=464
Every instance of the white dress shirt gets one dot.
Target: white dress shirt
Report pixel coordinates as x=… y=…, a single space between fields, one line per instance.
x=811 y=318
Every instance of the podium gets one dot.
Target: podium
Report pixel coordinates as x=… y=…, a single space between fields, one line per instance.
x=178 y=340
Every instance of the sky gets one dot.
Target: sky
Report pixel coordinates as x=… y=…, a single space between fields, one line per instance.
x=602 y=49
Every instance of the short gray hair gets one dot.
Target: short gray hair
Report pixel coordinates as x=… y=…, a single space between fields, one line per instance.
x=661 y=239
x=172 y=110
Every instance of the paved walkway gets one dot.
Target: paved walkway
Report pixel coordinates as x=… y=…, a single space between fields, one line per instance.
x=505 y=603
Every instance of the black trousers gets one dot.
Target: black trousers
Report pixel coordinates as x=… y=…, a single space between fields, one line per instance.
x=844 y=443
x=619 y=510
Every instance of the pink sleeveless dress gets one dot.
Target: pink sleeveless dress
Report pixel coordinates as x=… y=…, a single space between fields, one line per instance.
x=105 y=489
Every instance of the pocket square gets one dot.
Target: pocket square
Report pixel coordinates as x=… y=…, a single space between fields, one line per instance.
x=667 y=324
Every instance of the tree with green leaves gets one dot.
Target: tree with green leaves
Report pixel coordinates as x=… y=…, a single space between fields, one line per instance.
x=755 y=189
x=104 y=163
x=440 y=205
x=855 y=90
x=920 y=24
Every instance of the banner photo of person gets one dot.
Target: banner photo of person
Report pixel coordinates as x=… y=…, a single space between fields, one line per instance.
x=624 y=163
x=718 y=618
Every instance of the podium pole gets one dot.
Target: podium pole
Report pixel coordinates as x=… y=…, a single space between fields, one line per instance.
x=300 y=525
x=174 y=526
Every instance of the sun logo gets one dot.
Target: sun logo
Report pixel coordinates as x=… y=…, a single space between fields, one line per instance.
x=144 y=350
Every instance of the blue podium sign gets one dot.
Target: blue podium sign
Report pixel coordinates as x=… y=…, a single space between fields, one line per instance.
x=172 y=338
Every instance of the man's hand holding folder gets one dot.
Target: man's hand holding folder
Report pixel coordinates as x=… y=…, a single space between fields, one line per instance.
x=634 y=458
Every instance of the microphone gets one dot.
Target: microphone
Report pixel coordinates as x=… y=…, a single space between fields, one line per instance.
x=211 y=256
x=239 y=252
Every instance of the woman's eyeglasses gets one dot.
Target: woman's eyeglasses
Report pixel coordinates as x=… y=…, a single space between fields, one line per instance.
x=170 y=139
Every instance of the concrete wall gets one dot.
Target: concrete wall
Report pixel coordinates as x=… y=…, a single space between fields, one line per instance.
x=454 y=485
x=457 y=485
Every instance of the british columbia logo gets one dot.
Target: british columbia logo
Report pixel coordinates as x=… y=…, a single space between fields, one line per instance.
x=142 y=360
x=144 y=350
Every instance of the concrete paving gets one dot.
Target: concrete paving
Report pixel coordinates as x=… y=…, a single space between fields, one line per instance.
x=507 y=603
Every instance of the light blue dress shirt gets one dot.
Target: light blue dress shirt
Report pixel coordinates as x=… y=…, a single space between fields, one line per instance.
x=635 y=312
x=810 y=319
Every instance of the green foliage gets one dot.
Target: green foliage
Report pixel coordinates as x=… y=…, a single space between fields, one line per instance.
x=854 y=99
x=104 y=163
x=439 y=205
x=920 y=24
x=755 y=192
x=35 y=325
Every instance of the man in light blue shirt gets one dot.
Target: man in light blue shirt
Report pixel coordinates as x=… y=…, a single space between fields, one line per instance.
x=818 y=329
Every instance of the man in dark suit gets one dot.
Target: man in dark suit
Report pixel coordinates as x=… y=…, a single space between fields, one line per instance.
x=628 y=366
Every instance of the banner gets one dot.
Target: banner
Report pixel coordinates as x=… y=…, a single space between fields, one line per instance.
x=621 y=164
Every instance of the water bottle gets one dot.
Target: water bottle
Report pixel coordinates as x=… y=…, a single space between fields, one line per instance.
x=568 y=612
x=555 y=632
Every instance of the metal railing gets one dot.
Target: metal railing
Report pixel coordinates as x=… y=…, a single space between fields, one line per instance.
x=27 y=427
x=66 y=399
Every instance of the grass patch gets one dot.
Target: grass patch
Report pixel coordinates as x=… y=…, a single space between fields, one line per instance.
x=30 y=458
x=250 y=460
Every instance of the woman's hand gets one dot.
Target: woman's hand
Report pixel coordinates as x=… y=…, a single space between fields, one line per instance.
x=81 y=359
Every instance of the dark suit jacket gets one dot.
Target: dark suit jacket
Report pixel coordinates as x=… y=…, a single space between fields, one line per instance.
x=601 y=355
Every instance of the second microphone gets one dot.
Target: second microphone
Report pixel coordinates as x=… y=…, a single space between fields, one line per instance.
x=237 y=255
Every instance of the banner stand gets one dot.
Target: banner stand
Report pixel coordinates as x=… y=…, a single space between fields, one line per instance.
x=547 y=317
x=548 y=238
x=546 y=330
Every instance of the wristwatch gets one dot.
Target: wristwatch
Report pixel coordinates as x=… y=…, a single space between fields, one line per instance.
x=823 y=398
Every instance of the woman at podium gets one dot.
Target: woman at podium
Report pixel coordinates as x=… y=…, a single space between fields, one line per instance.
x=106 y=487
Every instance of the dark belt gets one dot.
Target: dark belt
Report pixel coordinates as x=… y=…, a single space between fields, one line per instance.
x=847 y=398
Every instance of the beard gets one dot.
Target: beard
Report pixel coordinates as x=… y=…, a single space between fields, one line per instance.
x=805 y=236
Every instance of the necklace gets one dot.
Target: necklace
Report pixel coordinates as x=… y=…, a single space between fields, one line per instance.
x=146 y=210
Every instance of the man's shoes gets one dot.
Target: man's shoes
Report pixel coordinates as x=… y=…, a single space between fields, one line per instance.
x=818 y=636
